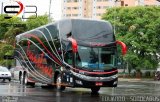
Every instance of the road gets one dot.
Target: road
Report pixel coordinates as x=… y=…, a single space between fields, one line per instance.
x=127 y=91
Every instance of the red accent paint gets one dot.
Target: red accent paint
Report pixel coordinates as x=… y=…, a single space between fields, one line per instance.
x=74 y=44
x=54 y=58
x=123 y=46
x=21 y=7
x=28 y=47
x=38 y=61
x=97 y=73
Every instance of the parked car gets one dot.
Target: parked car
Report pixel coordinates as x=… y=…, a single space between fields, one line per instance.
x=157 y=74
x=5 y=73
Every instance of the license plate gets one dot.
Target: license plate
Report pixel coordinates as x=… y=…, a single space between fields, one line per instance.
x=99 y=83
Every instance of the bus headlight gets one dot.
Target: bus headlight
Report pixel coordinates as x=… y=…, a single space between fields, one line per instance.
x=79 y=82
x=115 y=83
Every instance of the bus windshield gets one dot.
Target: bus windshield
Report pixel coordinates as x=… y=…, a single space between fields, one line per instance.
x=99 y=58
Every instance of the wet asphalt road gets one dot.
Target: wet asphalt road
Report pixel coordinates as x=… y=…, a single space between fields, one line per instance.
x=127 y=91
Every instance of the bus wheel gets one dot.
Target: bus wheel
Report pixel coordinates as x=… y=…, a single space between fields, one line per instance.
x=59 y=85
x=48 y=86
x=95 y=89
x=21 y=79
x=32 y=84
x=25 y=79
x=9 y=79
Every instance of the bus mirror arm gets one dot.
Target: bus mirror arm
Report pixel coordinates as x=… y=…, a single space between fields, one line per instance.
x=123 y=46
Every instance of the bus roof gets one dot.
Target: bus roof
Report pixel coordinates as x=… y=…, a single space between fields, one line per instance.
x=83 y=30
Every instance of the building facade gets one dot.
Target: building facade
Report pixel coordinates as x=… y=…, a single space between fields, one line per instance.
x=96 y=8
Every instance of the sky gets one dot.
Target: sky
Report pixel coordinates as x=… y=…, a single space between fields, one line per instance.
x=42 y=6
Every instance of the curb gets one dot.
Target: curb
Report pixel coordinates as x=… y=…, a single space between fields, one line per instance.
x=134 y=79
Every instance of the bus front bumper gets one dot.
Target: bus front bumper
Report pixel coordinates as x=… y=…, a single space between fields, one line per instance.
x=89 y=81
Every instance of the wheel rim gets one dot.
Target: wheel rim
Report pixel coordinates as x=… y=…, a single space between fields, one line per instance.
x=59 y=82
x=25 y=79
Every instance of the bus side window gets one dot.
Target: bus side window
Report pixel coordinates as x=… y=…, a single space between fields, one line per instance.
x=68 y=57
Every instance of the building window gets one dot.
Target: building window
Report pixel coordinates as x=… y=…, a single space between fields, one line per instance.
x=68 y=0
x=99 y=7
x=75 y=15
x=68 y=15
x=126 y=4
x=98 y=14
x=75 y=0
x=122 y=3
x=68 y=8
x=75 y=8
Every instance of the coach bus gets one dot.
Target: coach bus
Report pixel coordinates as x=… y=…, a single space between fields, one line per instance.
x=69 y=53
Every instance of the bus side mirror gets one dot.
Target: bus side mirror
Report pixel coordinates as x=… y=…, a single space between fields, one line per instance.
x=123 y=46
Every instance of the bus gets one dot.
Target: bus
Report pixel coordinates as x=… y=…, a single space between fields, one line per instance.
x=69 y=53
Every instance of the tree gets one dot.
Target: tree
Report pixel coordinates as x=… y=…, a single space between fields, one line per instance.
x=6 y=49
x=7 y=26
x=11 y=34
x=36 y=22
x=138 y=27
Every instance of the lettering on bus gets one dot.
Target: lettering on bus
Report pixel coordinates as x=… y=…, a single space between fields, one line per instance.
x=38 y=63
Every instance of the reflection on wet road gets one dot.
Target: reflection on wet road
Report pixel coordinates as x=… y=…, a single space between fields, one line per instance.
x=38 y=94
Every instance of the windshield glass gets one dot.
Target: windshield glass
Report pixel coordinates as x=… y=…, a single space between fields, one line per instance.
x=96 y=58
x=3 y=69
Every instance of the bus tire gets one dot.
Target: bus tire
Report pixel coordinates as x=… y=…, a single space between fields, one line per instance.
x=9 y=79
x=21 y=79
x=95 y=89
x=32 y=84
x=59 y=85
x=48 y=86
x=25 y=79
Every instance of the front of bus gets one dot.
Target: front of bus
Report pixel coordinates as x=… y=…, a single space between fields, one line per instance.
x=95 y=54
x=96 y=66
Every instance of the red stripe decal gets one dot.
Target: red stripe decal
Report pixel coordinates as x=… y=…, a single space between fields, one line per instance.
x=56 y=60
